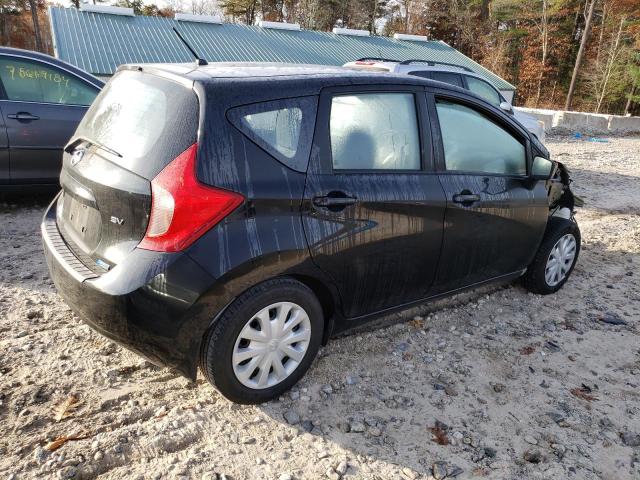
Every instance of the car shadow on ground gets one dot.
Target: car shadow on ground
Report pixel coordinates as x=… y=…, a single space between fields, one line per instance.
x=21 y=257
x=485 y=384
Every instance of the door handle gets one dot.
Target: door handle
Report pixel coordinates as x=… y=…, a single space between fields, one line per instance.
x=466 y=198
x=334 y=200
x=23 y=116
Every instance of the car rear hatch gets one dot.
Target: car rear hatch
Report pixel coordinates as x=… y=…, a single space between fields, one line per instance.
x=137 y=126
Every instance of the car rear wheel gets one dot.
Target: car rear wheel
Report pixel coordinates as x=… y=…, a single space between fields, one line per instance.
x=264 y=342
x=556 y=257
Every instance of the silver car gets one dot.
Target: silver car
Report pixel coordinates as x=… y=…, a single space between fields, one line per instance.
x=457 y=75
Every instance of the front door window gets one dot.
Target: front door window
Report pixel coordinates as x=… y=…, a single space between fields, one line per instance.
x=31 y=81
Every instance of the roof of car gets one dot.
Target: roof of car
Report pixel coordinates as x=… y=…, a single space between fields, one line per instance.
x=256 y=79
x=43 y=57
x=259 y=71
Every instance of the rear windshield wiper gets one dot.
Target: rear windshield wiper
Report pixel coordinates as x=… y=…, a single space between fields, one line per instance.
x=106 y=149
x=72 y=146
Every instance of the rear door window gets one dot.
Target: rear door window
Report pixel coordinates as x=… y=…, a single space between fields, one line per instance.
x=30 y=81
x=374 y=131
x=147 y=120
x=484 y=90
x=283 y=128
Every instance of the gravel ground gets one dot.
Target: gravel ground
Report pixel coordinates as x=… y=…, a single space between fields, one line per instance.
x=504 y=384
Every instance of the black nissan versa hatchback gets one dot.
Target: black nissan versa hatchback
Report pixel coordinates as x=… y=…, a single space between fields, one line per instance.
x=235 y=216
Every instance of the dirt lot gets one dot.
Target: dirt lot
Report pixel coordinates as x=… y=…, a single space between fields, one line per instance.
x=509 y=385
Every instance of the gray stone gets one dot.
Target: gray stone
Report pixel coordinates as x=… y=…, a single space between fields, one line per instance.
x=612 y=319
x=499 y=387
x=331 y=474
x=67 y=472
x=344 y=427
x=357 y=427
x=40 y=455
x=33 y=314
x=342 y=467
x=532 y=456
x=439 y=470
x=630 y=439
x=490 y=452
x=410 y=474
x=328 y=389
x=291 y=417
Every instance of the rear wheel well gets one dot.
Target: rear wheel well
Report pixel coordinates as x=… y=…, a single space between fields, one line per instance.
x=326 y=300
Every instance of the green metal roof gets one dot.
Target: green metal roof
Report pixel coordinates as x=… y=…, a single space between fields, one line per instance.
x=99 y=42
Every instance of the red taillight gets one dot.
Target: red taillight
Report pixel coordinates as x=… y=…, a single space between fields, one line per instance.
x=182 y=208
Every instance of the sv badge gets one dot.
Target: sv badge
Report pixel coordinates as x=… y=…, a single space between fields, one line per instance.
x=116 y=220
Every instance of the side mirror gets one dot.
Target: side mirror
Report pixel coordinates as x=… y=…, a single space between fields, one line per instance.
x=506 y=106
x=541 y=168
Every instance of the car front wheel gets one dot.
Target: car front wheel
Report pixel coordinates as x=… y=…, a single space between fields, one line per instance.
x=556 y=257
x=264 y=342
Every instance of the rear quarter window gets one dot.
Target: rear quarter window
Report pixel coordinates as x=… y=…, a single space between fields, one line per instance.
x=283 y=128
x=146 y=119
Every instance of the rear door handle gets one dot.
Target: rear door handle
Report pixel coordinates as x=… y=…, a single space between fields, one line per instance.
x=23 y=116
x=334 y=201
x=466 y=198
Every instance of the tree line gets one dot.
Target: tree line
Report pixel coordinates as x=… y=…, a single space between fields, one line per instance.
x=571 y=54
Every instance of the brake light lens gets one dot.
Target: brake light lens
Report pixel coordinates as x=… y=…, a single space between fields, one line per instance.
x=182 y=208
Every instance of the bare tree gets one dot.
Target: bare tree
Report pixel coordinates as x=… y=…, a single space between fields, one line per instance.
x=33 y=6
x=544 y=34
x=611 y=61
x=205 y=7
x=583 y=45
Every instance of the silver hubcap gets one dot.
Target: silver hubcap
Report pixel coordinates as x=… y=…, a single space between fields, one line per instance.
x=271 y=345
x=560 y=260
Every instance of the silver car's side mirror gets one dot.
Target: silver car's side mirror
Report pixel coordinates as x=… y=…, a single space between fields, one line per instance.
x=506 y=106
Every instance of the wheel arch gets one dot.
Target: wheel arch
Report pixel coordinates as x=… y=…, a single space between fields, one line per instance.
x=328 y=301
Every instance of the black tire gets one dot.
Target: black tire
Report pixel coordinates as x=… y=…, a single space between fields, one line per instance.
x=220 y=339
x=534 y=279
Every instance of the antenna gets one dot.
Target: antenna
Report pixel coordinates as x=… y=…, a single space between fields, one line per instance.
x=199 y=61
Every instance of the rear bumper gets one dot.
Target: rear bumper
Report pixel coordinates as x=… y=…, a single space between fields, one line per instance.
x=151 y=303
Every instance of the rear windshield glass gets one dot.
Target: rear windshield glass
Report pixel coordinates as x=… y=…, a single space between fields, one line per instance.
x=147 y=120
x=284 y=128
